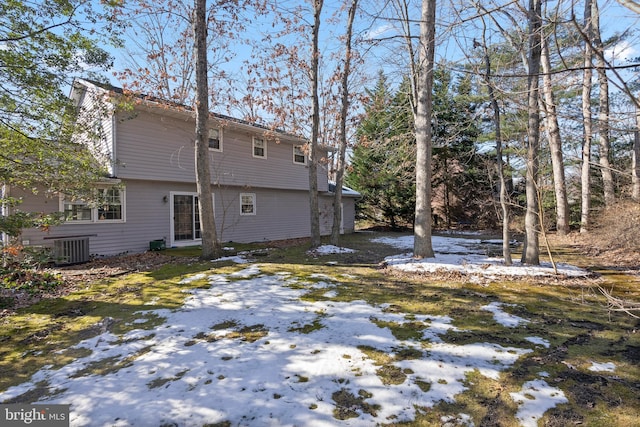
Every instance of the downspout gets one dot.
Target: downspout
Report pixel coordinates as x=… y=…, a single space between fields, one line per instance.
x=114 y=172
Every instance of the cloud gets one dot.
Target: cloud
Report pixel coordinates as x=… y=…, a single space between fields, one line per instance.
x=379 y=31
x=622 y=51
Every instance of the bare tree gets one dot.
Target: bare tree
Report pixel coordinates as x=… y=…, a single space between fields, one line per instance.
x=635 y=171
x=210 y=245
x=176 y=60
x=603 y=112
x=587 y=75
x=344 y=107
x=504 y=202
x=422 y=247
x=555 y=143
x=531 y=251
x=159 y=55
x=402 y=6
x=314 y=151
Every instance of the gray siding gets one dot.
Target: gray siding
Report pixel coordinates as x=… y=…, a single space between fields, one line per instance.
x=348 y=214
x=96 y=114
x=143 y=222
x=154 y=159
x=280 y=214
x=155 y=147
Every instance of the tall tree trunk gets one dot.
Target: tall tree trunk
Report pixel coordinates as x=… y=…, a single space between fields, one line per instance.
x=315 y=129
x=405 y=21
x=555 y=143
x=531 y=251
x=344 y=108
x=603 y=115
x=504 y=204
x=635 y=173
x=586 y=121
x=210 y=244
x=422 y=247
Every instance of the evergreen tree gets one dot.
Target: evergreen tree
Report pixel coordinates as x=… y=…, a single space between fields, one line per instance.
x=382 y=168
x=460 y=188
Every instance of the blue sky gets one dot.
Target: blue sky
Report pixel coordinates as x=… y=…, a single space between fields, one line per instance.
x=390 y=55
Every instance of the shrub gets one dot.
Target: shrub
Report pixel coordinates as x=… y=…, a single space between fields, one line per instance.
x=22 y=270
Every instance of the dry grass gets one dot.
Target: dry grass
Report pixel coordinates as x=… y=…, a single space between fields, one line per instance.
x=613 y=239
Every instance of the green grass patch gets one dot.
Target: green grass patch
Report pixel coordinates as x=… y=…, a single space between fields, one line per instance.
x=347 y=404
x=33 y=336
x=308 y=328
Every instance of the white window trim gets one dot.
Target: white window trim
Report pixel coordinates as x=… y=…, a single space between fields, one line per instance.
x=181 y=243
x=301 y=152
x=253 y=196
x=253 y=147
x=94 y=209
x=220 y=138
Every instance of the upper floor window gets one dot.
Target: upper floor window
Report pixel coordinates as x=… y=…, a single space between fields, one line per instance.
x=107 y=206
x=298 y=155
x=215 y=139
x=259 y=147
x=247 y=204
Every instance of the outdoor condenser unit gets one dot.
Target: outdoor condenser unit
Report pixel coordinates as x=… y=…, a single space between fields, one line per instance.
x=71 y=250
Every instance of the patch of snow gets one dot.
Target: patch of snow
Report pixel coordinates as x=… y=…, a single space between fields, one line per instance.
x=330 y=249
x=538 y=341
x=602 y=367
x=252 y=270
x=467 y=256
x=457 y=420
x=501 y=317
x=535 y=398
x=185 y=371
x=237 y=259
x=193 y=278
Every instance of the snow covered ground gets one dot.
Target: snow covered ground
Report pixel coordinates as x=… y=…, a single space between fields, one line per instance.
x=469 y=256
x=194 y=370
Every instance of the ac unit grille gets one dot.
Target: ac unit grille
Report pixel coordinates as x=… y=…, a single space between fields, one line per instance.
x=71 y=251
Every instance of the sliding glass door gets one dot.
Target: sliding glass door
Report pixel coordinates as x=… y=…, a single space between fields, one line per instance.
x=186 y=218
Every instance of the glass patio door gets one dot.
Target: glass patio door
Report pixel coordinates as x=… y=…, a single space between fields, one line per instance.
x=186 y=218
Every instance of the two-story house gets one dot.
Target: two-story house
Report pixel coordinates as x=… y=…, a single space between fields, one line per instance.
x=260 y=182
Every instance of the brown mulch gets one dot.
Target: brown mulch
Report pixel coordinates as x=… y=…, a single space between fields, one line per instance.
x=112 y=266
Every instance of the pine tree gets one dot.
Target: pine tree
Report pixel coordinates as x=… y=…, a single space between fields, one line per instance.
x=381 y=168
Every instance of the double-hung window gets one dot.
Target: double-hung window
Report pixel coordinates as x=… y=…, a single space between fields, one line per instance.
x=215 y=139
x=247 y=204
x=259 y=147
x=108 y=205
x=298 y=155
